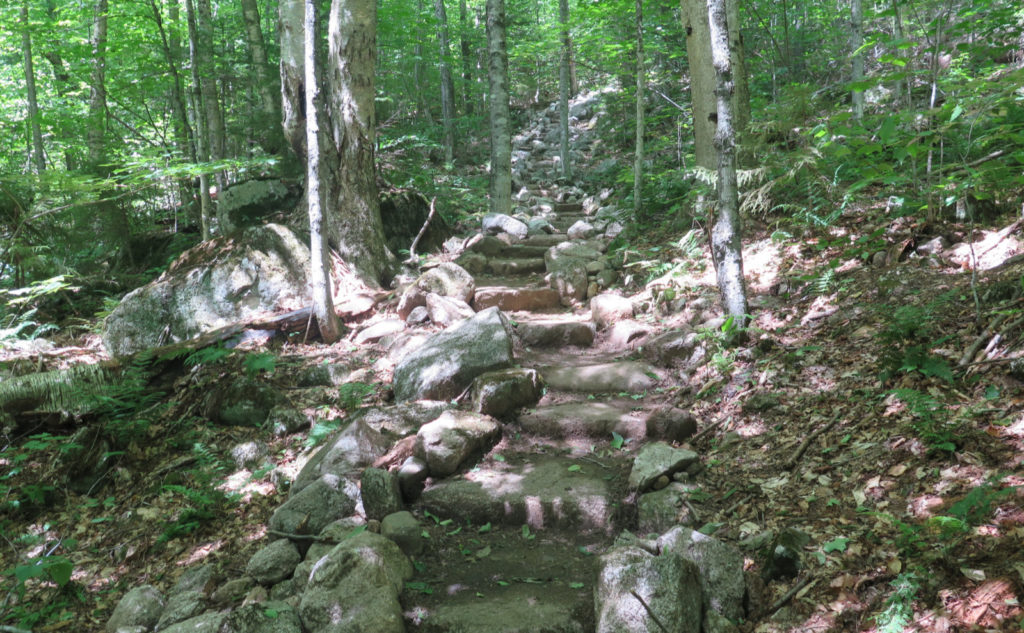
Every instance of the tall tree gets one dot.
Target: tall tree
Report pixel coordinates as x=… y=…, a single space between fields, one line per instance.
x=447 y=85
x=355 y=229
x=564 y=86
x=208 y=85
x=269 y=135
x=202 y=127
x=320 y=276
x=726 y=248
x=291 y=14
x=857 y=60
x=467 y=62
x=97 y=127
x=641 y=81
x=501 y=133
x=38 y=159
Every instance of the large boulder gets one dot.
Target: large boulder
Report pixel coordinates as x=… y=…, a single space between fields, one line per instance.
x=720 y=565
x=668 y=585
x=448 y=361
x=453 y=438
x=249 y=203
x=141 y=606
x=315 y=506
x=355 y=587
x=220 y=282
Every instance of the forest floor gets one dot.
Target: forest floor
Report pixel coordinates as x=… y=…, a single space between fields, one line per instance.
x=878 y=410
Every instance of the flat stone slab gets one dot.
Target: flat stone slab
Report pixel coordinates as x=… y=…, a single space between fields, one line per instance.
x=510 y=299
x=542 y=493
x=628 y=376
x=585 y=419
x=515 y=266
x=547 y=240
x=556 y=333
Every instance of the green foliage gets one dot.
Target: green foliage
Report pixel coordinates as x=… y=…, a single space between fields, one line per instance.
x=202 y=500
x=905 y=339
x=320 y=431
x=975 y=507
x=46 y=567
x=352 y=394
x=18 y=316
x=931 y=420
x=207 y=356
x=899 y=607
x=255 y=363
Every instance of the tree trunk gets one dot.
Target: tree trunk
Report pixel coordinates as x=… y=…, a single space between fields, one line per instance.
x=320 y=276
x=447 y=85
x=726 y=248
x=702 y=81
x=641 y=81
x=62 y=79
x=269 y=135
x=355 y=227
x=182 y=129
x=96 y=132
x=38 y=158
x=501 y=135
x=467 y=62
x=417 y=65
x=202 y=138
x=293 y=117
x=208 y=75
x=856 y=41
x=564 y=86
x=741 y=86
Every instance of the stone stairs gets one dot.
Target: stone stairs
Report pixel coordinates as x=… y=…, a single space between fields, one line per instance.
x=554 y=492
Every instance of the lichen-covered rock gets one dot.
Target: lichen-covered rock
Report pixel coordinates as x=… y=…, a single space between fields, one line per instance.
x=249 y=203
x=141 y=606
x=403 y=528
x=608 y=308
x=307 y=512
x=273 y=563
x=667 y=583
x=263 y=617
x=380 y=493
x=448 y=361
x=450 y=440
x=180 y=607
x=720 y=565
x=447 y=280
x=217 y=283
x=496 y=223
x=500 y=393
x=658 y=459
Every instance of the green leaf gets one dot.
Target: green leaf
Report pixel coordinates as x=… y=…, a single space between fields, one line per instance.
x=617 y=441
x=575 y=468
x=498 y=457
x=837 y=544
x=270 y=613
x=486 y=527
x=957 y=111
x=576 y=585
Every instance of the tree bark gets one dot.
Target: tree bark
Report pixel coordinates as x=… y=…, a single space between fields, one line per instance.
x=726 y=247
x=38 y=158
x=737 y=56
x=355 y=228
x=202 y=138
x=269 y=135
x=564 y=86
x=467 y=62
x=447 y=85
x=182 y=129
x=293 y=116
x=641 y=81
x=320 y=276
x=702 y=81
x=501 y=136
x=96 y=131
x=208 y=73
x=857 y=60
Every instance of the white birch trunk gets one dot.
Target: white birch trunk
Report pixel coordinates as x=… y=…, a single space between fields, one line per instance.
x=320 y=276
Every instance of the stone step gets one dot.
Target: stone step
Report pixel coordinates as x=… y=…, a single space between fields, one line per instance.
x=616 y=377
x=590 y=419
x=515 y=266
x=545 y=239
x=523 y=251
x=514 y=299
x=568 y=207
x=556 y=333
x=542 y=491
x=521 y=585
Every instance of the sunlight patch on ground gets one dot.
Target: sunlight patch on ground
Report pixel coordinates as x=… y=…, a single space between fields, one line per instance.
x=200 y=552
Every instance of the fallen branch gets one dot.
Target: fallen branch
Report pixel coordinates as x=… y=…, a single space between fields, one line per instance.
x=781 y=602
x=700 y=436
x=419 y=236
x=972 y=351
x=791 y=462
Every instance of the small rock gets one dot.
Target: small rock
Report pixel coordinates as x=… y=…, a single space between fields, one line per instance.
x=286 y=420
x=380 y=493
x=580 y=230
x=501 y=393
x=495 y=223
x=447 y=442
x=141 y=606
x=273 y=563
x=671 y=424
x=447 y=310
x=403 y=528
x=655 y=460
x=249 y=454
x=379 y=330
x=233 y=592
x=664 y=509
x=418 y=316
x=411 y=477
x=316 y=505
